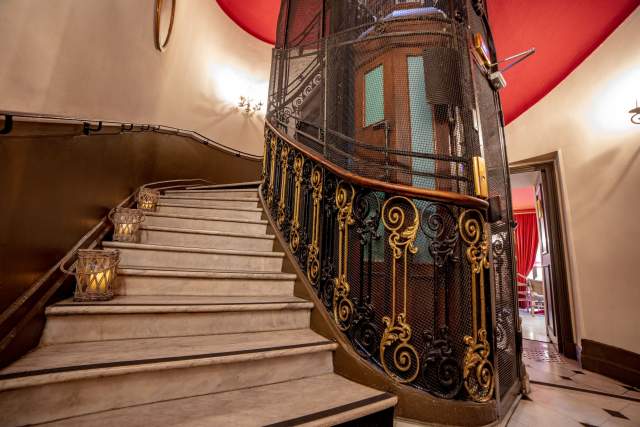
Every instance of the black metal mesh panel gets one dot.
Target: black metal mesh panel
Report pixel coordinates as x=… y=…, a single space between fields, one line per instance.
x=503 y=277
x=412 y=125
x=387 y=89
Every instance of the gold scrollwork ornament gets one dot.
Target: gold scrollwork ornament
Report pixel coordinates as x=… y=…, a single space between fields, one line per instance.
x=343 y=306
x=397 y=333
x=478 y=371
x=313 y=258
x=284 y=158
x=294 y=234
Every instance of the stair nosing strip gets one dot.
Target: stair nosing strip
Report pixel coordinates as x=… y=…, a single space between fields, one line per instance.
x=141 y=362
x=332 y=411
x=189 y=249
x=175 y=304
x=222 y=199
x=220 y=208
x=206 y=232
x=154 y=272
x=208 y=218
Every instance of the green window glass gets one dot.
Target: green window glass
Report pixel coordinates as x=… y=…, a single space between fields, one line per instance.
x=421 y=123
x=374 y=96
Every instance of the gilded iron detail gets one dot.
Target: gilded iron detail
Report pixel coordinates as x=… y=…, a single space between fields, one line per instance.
x=313 y=258
x=294 y=233
x=397 y=333
x=272 y=171
x=477 y=371
x=284 y=158
x=342 y=305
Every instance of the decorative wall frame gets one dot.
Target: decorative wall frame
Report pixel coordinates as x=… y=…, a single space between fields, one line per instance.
x=161 y=15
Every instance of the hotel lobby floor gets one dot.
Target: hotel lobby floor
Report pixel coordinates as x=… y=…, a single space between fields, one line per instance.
x=563 y=394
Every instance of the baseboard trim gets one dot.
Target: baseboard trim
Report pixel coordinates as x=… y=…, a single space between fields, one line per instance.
x=617 y=363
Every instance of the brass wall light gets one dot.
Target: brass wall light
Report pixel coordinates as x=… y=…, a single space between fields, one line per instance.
x=148 y=199
x=126 y=223
x=95 y=272
x=249 y=105
x=635 y=115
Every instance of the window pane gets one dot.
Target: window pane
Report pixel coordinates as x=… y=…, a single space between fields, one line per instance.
x=421 y=124
x=374 y=96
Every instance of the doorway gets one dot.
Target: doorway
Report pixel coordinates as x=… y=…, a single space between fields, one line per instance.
x=542 y=286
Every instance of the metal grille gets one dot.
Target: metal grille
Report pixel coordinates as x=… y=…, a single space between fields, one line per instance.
x=414 y=124
x=386 y=89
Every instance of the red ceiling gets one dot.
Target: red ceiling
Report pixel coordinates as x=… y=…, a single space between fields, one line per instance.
x=563 y=32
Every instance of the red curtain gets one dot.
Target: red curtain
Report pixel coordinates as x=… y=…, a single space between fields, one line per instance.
x=526 y=246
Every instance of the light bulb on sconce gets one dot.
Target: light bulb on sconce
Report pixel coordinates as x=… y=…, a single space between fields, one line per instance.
x=249 y=105
x=635 y=114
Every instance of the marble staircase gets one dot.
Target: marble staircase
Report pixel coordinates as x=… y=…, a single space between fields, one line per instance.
x=204 y=330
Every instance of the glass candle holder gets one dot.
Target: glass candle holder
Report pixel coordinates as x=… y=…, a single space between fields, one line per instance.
x=126 y=223
x=95 y=272
x=148 y=199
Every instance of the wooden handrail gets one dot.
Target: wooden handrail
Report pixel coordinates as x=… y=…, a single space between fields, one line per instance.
x=399 y=189
x=15 y=116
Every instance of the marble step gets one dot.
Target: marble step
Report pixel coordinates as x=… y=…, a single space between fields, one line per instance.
x=209 y=201
x=252 y=214
x=68 y=380
x=240 y=193
x=195 y=222
x=131 y=316
x=133 y=281
x=305 y=401
x=251 y=184
x=142 y=255
x=172 y=236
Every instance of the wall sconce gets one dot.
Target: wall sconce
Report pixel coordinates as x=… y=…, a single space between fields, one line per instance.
x=95 y=272
x=249 y=105
x=126 y=223
x=148 y=199
x=635 y=115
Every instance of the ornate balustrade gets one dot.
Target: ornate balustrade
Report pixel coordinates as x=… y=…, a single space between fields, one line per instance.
x=403 y=271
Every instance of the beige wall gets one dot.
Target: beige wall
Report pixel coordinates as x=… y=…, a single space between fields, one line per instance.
x=97 y=59
x=586 y=119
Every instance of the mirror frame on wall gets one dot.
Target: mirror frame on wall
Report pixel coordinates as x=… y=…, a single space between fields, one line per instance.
x=161 y=45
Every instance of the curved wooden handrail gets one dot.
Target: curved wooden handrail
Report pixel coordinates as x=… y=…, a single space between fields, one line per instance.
x=400 y=189
x=125 y=127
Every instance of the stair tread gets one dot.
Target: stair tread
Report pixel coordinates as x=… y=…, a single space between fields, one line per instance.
x=123 y=304
x=116 y=354
x=144 y=246
x=207 y=218
x=207 y=232
x=211 y=207
x=213 y=191
x=226 y=199
x=248 y=184
x=201 y=273
x=320 y=400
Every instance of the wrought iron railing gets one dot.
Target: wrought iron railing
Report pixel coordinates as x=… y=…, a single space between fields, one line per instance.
x=402 y=270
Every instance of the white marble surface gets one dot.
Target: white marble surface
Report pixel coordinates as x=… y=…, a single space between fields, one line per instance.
x=135 y=254
x=242 y=408
x=152 y=235
x=240 y=213
x=227 y=193
x=533 y=327
x=205 y=223
x=216 y=201
x=551 y=406
x=202 y=283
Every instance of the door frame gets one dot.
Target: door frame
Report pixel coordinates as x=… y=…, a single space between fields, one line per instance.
x=548 y=166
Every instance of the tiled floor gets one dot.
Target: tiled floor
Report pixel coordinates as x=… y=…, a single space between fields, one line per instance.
x=533 y=327
x=563 y=394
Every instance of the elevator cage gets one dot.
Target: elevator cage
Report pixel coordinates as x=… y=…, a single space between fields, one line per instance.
x=399 y=91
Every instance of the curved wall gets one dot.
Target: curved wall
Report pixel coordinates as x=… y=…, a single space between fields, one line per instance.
x=55 y=188
x=585 y=120
x=97 y=59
